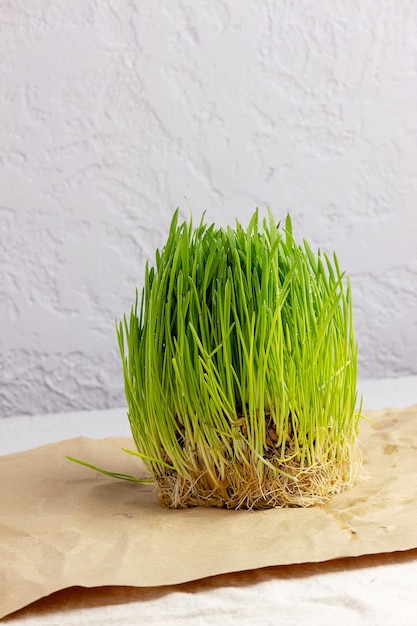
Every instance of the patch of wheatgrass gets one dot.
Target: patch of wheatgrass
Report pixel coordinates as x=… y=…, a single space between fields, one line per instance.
x=240 y=369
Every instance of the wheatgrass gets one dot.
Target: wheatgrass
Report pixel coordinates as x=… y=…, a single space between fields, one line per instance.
x=240 y=369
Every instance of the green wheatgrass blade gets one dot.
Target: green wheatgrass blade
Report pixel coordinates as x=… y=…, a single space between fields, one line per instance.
x=147 y=458
x=128 y=477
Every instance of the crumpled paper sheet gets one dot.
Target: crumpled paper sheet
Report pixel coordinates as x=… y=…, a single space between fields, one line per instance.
x=64 y=525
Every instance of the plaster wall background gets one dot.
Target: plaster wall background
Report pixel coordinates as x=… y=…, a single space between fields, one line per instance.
x=112 y=112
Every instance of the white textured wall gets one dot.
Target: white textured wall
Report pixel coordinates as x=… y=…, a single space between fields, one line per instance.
x=112 y=112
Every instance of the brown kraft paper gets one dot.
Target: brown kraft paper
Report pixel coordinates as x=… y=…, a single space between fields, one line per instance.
x=63 y=525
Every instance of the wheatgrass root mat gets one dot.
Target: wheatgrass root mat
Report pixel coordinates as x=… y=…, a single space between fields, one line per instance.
x=62 y=524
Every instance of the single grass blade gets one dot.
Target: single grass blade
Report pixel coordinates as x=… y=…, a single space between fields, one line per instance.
x=143 y=481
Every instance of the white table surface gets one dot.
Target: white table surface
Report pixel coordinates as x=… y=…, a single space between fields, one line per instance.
x=370 y=590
